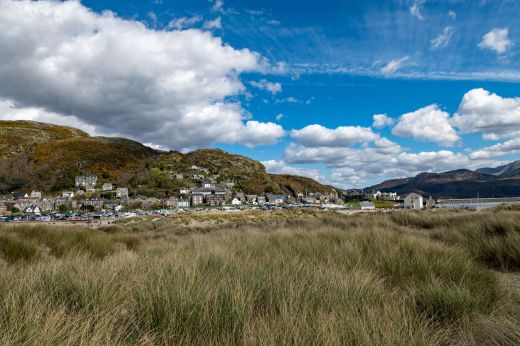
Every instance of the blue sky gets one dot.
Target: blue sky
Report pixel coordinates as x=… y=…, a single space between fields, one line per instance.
x=294 y=84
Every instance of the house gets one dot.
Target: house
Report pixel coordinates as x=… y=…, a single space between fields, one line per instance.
x=215 y=200
x=236 y=201
x=308 y=200
x=179 y=176
x=184 y=191
x=111 y=205
x=36 y=194
x=62 y=201
x=122 y=192
x=22 y=195
x=389 y=196
x=201 y=191
x=430 y=203
x=3 y=209
x=197 y=199
x=275 y=199
x=172 y=202
x=45 y=204
x=230 y=184
x=67 y=194
x=107 y=187
x=376 y=194
x=261 y=199
x=413 y=201
x=183 y=203
x=208 y=185
x=252 y=199
x=32 y=209
x=96 y=203
x=367 y=205
x=87 y=182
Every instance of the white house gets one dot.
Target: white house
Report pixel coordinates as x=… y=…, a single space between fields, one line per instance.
x=32 y=210
x=376 y=194
x=36 y=194
x=413 y=201
x=236 y=201
x=389 y=196
x=107 y=187
x=183 y=203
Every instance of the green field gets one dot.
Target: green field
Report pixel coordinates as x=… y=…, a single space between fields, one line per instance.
x=264 y=278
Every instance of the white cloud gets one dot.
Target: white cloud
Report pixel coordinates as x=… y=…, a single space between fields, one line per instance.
x=452 y=14
x=355 y=167
x=213 y=24
x=317 y=135
x=263 y=84
x=382 y=120
x=394 y=65
x=427 y=124
x=170 y=88
x=257 y=133
x=495 y=116
x=497 y=40
x=280 y=167
x=184 y=22
x=507 y=148
x=443 y=39
x=279 y=116
x=218 y=5
x=415 y=9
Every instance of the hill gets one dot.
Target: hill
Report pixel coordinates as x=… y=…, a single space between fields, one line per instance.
x=488 y=182
x=47 y=157
x=510 y=170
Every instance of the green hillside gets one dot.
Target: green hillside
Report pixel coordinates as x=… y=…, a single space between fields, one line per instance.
x=48 y=157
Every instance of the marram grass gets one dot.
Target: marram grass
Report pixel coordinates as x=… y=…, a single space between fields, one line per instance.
x=300 y=278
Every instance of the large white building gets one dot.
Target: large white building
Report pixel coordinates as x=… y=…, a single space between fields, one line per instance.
x=413 y=201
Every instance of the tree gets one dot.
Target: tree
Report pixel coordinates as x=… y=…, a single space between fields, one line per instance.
x=63 y=208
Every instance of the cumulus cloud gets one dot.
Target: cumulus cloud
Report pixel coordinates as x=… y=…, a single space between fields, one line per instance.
x=443 y=39
x=184 y=22
x=495 y=116
x=354 y=167
x=257 y=133
x=497 y=40
x=427 y=124
x=501 y=149
x=394 y=65
x=317 y=135
x=415 y=9
x=169 y=88
x=264 y=84
x=382 y=120
x=281 y=167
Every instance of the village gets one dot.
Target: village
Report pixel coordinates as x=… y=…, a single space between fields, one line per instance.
x=90 y=198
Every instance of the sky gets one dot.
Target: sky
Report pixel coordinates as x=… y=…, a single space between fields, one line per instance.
x=350 y=93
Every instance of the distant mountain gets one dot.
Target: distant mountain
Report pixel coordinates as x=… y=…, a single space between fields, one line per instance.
x=510 y=170
x=502 y=181
x=47 y=157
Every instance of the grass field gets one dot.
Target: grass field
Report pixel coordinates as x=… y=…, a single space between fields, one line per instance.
x=260 y=278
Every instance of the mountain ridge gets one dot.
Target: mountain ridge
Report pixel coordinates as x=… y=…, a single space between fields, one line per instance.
x=502 y=181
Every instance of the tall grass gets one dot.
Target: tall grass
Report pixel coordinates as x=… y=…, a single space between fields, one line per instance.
x=302 y=279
